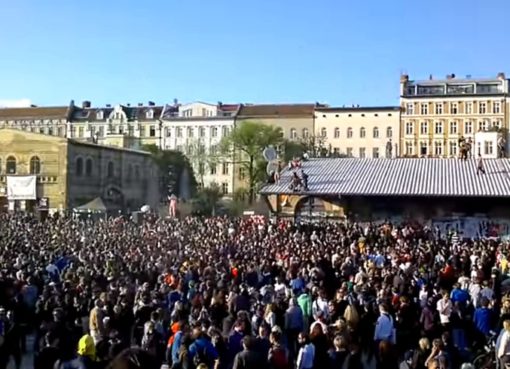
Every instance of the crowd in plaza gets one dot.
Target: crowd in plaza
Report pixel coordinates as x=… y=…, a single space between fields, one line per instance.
x=247 y=293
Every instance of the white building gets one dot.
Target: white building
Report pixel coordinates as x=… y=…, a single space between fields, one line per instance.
x=197 y=129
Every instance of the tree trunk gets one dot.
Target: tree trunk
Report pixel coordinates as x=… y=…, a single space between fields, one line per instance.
x=251 y=174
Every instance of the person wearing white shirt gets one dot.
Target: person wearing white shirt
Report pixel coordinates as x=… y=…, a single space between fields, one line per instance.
x=306 y=355
x=503 y=349
x=444 y=307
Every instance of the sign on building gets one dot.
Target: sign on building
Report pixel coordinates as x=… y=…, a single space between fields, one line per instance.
x=21 y=188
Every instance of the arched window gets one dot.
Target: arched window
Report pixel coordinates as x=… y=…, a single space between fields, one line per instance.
x=349 y=132
x=324 y=132
x=362 y=132
x=389 y=132
x=111 y=170
x=10 y=165
x=35 y=165
x=79 y=167
x=337 y=132
x=305 y=132
x=88 y=167
x=376 y=132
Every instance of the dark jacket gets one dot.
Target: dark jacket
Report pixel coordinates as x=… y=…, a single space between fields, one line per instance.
x=249 y=360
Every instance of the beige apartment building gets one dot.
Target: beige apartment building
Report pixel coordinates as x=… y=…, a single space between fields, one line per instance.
x=196 y=129
x=361 y=132
x=437 y=112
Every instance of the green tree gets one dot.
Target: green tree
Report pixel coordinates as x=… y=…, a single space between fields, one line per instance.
x=207 y=200
x=245 y=143
x=200 y=159
x=172 y=165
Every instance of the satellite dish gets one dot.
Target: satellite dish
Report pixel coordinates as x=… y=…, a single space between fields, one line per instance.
x=272 y=167
x=269 y=153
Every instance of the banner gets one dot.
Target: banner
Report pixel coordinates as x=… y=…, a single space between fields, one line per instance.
x=21 y=187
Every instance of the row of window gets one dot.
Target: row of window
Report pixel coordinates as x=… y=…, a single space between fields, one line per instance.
x=362 y=152
x=362 y=132
x=86 y=167
x=213 y=168
x=200 y=131
x=224 y=187
x=453 y=127
x=454 y=108
x=438 y=148
x=350 y=115
x=11 y=165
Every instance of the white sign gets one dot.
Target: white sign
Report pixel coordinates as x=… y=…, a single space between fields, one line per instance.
x=21 y=187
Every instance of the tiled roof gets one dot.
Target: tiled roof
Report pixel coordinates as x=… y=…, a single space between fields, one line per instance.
x=55 y=112
x=401 y=177
x=277 y=110
x=132 y=113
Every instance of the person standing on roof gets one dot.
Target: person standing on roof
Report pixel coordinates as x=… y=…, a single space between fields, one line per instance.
x=480 y=168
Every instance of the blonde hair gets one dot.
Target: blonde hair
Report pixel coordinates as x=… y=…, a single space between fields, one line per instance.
x=506 y=325
x=424 y=343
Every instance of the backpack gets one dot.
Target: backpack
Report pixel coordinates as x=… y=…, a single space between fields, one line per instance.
x=279 y=358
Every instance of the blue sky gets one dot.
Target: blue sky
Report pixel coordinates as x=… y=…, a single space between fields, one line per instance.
x=333 y=51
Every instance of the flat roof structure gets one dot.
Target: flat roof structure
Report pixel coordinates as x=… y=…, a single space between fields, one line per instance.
x=448 y=177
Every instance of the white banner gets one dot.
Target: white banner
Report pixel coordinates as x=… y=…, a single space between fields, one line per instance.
x=21 y=187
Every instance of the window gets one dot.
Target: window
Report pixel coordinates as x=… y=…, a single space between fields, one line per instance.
x=152 y=131
x=337 y=132
x=101 y=131
x=305 y=132
x=324 y=132
x=453 y=148
x=187 y=113
x=189 y=150
x=99 y=115
x=80 y=132
x=213 y=150
x=376 y=132
x=214 y=131
x=35 y=165
x=179 y=132
x=468 y=127
x=204 y=112
x=79 y=167
x=487 y=148
x=410 y=109
x=111 y=170
x=293 y=134
x=224 y=169
x=453 y=128
x=88 y=167
x=10 y=165
x=389 y=132
x=496 y=124
x=424 y=109
x=201 y=131
x=482 y=108
x=60 y=131
x=189 y=132
x=212 y=167
x=362 y=152
x=224 y=188
x=482 y=125
x=423 y=148
x=224 y=131
x=362 y=132
x=201 y=168
x=149 y=114
x=496 y=107
x=168 y=132
x=349 y=151
x=409 y=128
x=438 y=129
x=409 y=148
x=242 y=174
x=424 y=128
x=439 y=108
x=438 y=148
x=468 y=107
x=454 y=108
x=349 y=132
x=142 y=130
x=375 y=152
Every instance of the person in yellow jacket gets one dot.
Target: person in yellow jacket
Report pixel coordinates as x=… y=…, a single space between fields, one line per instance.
x=86 y=358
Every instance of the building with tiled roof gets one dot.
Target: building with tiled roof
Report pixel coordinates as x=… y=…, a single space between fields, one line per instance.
x=46 y=120
x=434 y=183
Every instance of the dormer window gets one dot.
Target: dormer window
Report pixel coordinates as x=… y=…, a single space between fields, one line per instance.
x=149 y=114
x=99 y=115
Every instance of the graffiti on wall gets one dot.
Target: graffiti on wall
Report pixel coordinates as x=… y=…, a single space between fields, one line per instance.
x=473 y=227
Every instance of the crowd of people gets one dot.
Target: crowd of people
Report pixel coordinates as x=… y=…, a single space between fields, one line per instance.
x=247 y=293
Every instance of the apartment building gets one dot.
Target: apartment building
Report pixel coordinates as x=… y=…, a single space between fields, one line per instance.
x=361 y=132
x=436 y=113
x=197 y=129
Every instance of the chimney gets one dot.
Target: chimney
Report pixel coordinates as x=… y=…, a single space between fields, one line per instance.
x=128 y=105
x=501 y=75
x=151 y=103
x=140 y=104
x=220 y=104
x=176 y=102
x=404 y=78
x=450 y=76
x=430 y=77
x=108 y=105
x=85 y=104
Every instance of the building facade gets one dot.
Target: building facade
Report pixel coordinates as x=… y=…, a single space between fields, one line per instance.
x=437 y=113
x=361 y=132
x=196 y=129
x=70 y=173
